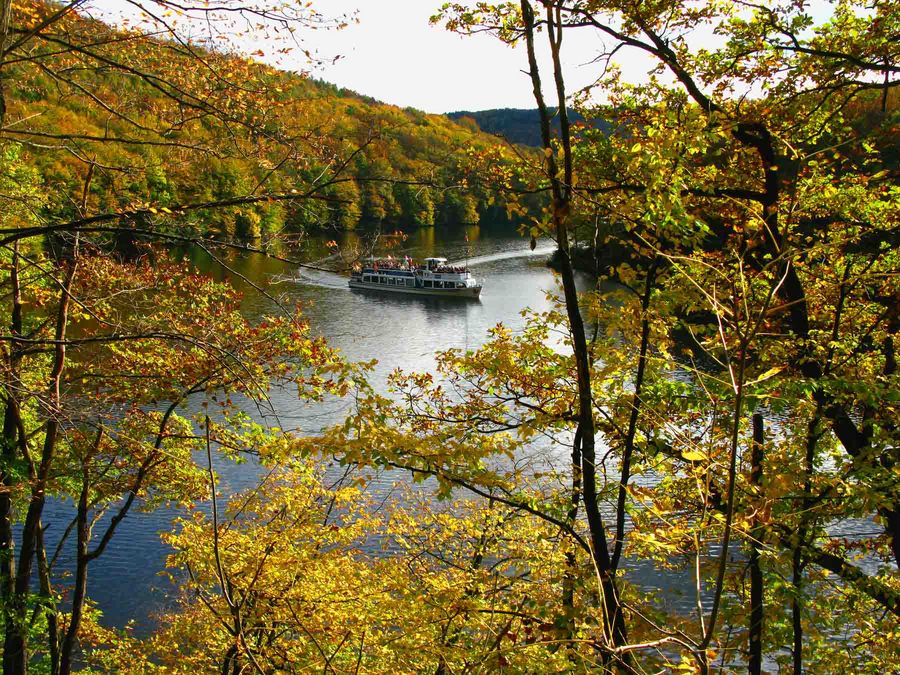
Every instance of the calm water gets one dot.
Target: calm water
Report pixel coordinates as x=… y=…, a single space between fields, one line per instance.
x=399 y=331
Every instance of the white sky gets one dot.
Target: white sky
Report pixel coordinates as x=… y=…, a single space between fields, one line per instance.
x=394 y=55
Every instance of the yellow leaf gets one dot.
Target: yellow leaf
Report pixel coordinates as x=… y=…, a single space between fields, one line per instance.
x=771 y=372
x=693 y=456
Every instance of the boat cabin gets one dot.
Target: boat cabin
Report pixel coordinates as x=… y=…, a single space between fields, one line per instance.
x=434 y=277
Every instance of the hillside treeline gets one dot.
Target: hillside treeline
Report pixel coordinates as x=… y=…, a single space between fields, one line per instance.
x=106 y=135
x=521 y=125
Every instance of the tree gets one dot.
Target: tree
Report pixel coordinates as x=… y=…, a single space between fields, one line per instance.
x=747 y=256
x=725 y=202
x=106 y=338
x=124 y=336
x=719 y=413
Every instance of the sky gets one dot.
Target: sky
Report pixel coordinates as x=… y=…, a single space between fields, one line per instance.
x=394 y=55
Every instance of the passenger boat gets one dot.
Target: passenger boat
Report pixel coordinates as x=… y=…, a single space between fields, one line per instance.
x=435 y=278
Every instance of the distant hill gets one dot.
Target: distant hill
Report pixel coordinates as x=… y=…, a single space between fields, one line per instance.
x=518 y=125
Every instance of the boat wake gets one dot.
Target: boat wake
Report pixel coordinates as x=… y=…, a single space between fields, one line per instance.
x=320 y=278
x=335 y=281
x=506 y=255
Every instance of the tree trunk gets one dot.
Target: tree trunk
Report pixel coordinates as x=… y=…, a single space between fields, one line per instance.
x=15 y=645
x=628 y=448
x=5 y=14
x=561 y=191
x=49 y=604
x=571 y=574
x=11 y=442
x=757 y=609
x=12 y=438
x=81 y=570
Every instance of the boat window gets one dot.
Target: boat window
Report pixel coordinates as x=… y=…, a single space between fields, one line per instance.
x=428 y=284
x=410 y=282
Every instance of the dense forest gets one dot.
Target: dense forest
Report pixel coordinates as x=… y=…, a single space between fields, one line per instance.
x=717 y=405
x=397 y=166
x=521 y=126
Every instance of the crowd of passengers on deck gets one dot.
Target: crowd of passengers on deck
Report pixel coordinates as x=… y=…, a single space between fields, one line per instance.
x=411 y=266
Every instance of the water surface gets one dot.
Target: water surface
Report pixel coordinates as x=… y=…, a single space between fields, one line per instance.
x=399 y=331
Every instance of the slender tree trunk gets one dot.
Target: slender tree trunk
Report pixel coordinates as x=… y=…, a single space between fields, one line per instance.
x=636 y=403
x=10 y=442
x=15 y=646
x=891 y=517
x=230 y=664
x=49 y=604
x=81 y=571
x=5 y=15
x=757 y=609
x=797 y=610
x=798 y=561
x=571 y=574
x=561 y=191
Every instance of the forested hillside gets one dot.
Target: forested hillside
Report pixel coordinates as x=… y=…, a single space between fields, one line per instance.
x=149 y=144
x=519 y=125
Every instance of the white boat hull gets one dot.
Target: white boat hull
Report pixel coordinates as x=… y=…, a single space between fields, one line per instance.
x=469 y=292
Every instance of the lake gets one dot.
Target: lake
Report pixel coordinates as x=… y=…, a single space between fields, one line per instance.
x=397 y=330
